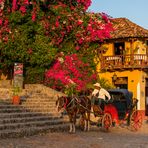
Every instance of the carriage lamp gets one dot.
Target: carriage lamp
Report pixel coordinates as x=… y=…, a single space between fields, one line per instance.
x=114 y=77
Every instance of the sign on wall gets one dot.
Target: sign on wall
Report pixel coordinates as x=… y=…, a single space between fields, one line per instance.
x=18 y=74
x=18 y=69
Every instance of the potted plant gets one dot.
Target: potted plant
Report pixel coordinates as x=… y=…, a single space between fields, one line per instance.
x=15 y=96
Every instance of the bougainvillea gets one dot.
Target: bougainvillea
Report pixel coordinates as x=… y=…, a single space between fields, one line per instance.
x=62 y=19
x=71 y=71
x=36 y=30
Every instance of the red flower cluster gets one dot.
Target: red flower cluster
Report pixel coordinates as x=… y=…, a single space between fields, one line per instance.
x=70 y=71
x=84 y=3
x=65 y=19
x=4 y=27
x=84 y=27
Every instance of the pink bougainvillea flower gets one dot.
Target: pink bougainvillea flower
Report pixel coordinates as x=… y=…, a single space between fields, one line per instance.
x=57 y=23
x=71 y=71
x=26 y=2
x=14 y=5
x=77 y=47
x=79 y=22
x=1 y=21
x=23 y=9
x=33 y=16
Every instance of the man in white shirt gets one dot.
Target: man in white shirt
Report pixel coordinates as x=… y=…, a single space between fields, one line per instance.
x=100 y=92
x=99 y=96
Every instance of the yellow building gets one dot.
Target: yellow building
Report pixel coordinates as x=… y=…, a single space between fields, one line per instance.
x=124 y=60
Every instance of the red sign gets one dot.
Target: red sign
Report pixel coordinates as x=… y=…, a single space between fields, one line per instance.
x=18 y=69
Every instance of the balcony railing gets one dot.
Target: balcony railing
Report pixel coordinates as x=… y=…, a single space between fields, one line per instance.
x=124 y=62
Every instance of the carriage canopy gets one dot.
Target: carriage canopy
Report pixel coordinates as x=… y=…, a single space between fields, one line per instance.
x=122 y=95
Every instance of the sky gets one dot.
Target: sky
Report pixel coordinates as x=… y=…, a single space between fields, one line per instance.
x=134 y=10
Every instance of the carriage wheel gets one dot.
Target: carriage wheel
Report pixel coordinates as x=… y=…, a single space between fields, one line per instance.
x=135 y=120
x=81 y=123
x=106 y=121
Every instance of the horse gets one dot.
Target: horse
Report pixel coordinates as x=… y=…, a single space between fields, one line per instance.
x=73 y=106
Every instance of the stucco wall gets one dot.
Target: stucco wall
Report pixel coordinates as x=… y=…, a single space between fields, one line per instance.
x=134 y=79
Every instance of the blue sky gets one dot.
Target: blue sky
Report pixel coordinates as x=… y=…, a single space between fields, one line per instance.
x=134 y=10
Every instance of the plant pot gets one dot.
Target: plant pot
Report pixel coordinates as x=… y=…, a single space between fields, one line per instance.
x=16 y=100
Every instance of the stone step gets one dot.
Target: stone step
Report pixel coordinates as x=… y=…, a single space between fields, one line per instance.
x=28 y=119
x=6 y=101
x=21 y=132
x=38 y=103
x=29 y=109
x=42 y=109
x=31 y=124
x=38 y=106
x=35 y=105
x=40 y=97
x=45 y=111
x=25 y=114
x=28 y=106
x=8 y=106
x=36 y=113
x=10 y=110
x=39 y=100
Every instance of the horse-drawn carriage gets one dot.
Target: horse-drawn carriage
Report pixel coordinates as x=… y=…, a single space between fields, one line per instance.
x=122 y=108
x=119 y=109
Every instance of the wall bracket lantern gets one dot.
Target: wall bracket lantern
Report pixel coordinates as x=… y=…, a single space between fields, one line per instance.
x=114 y=77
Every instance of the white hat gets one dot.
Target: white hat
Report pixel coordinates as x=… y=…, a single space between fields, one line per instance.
x=97 y=84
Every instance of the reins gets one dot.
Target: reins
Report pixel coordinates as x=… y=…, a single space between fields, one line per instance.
x=67 y=104
x=82 y=105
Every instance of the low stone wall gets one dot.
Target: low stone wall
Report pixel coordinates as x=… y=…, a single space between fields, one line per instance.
x=43 y=89
x=6 y=93
x=5 y=84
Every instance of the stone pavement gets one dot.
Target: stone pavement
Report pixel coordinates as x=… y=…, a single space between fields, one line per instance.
x=117 y=137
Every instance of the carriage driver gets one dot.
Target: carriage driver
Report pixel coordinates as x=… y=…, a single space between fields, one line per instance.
x=99 y=95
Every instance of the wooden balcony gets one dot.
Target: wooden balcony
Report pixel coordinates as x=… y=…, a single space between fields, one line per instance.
x=122 y=62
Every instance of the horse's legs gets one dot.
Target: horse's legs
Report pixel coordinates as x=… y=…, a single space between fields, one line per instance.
x=72 y=119
x=86 y=117
x=71 y=123
x=88 y=121
x=74 y=128
x=74 y=123
x=85 y=125
x=85 y=122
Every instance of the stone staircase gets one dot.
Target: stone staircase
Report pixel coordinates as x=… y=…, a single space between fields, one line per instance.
x=35 y=114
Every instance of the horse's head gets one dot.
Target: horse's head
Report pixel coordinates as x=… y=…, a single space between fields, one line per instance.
x=61 y=103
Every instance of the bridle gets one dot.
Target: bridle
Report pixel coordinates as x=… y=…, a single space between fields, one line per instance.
x=65 y=104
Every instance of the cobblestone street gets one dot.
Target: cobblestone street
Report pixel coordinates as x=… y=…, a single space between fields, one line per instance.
x=118 y=137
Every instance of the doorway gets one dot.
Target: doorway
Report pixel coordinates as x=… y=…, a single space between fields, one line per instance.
x=119 y=48
x=121 y=83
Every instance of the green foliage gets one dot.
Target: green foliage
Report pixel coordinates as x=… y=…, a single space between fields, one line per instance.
x=29 y=45
x=36 y=31
x=70 y=90
x=105 y=83
x=34 y=75
x=16 y=90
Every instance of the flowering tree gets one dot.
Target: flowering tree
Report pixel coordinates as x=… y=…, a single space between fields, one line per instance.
x=70 y=73
x=34 y=31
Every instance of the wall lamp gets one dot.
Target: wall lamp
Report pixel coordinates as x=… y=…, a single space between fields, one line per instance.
x=114 y=77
